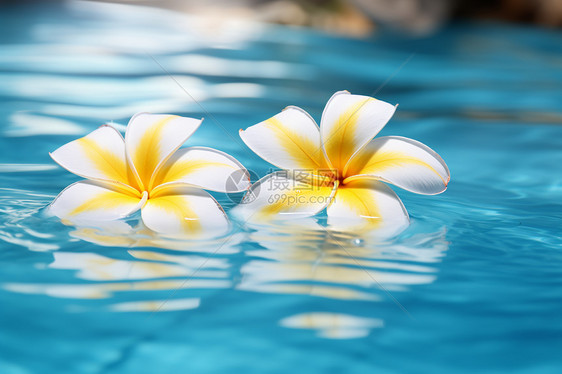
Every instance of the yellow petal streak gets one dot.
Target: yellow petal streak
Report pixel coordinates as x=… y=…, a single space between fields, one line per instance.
x=358 y=197
x=341 y=143
x=304 y=151
x=373 y=163
x=181 y=169
x=110 y=164
x=178 y=207
x=104 y=201
x=106 y=162
x=148 y=153
x=308 y=192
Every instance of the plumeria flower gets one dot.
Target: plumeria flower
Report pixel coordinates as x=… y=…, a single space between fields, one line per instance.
x=147 y=171
x=339 y=166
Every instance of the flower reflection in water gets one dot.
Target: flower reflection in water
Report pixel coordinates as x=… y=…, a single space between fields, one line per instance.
x=201 y=266
x=301 y=257
x=307 y=258
x=333 y=325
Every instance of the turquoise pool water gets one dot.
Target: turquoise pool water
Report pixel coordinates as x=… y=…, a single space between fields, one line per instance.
x=473 y=285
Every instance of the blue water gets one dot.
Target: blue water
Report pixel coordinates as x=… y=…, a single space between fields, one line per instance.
x=473 y=285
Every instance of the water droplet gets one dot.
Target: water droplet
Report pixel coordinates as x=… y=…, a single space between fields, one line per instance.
x=357 y=242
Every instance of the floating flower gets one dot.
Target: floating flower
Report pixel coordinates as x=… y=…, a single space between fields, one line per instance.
x=339 y=165
x=146 y=171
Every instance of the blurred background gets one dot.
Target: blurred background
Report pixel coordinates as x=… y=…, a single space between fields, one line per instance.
x=361 y=17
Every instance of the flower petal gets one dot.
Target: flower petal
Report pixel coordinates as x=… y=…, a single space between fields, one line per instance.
x=367 y=202
x=183 y=210
x=206 y=168
x=349 y=122
x=285 y=195
x=403 y=162
x=88 y=201
x=152 y=138
x=288 y=140
x=100 y=155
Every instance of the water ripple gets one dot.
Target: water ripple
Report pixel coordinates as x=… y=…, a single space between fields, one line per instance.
x=479 y=264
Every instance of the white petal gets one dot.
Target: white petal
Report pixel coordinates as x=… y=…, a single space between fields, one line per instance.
x=88 y=201
x=152 y=138
x=100 y=155
x=289 y=140
x=349 y=122
x=367 y=203
x=403 y=162
x=184 y=211
x=206 y=168
x=285 y=195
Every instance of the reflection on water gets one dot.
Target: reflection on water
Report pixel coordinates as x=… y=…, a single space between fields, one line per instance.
x=317 y=261
x=156 y=305
x=121 y=233
x=107 y=290
x=333 y=325
x=345 y=266
x=99 y=268
x=300 y=257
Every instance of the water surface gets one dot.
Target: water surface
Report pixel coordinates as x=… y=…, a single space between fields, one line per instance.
x=474 y=284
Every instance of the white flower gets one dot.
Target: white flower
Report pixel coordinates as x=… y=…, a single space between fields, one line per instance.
x=147 y=171
x=339 y=166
